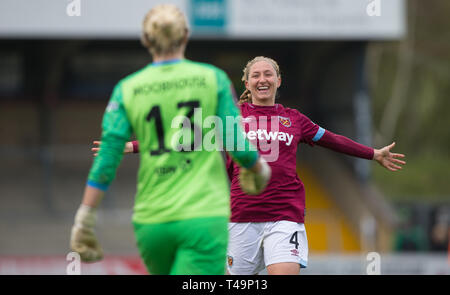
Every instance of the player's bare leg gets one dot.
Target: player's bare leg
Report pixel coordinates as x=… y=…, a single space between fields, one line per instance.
x=283 y=268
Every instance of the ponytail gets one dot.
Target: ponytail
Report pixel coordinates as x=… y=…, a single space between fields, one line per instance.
x=246 y=96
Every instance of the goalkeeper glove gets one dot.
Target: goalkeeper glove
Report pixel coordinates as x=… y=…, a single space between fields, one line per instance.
x=83 y=239
x=253 y=183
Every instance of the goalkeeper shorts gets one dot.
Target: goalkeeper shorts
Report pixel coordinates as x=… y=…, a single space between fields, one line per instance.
x=187 y=247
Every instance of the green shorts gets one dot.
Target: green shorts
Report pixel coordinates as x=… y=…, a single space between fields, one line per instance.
x=188 y=247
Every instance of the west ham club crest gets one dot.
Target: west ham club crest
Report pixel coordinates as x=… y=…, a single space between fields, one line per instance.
x=286 y=122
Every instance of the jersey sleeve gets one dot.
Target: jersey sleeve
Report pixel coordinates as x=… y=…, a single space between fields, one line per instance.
x=116 y=131
x=345 y=145
x=232 y=136
x=311 y=133
x=314 y=134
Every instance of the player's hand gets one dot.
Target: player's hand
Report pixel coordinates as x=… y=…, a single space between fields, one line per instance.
x=127 y=150
x=387 y=159
x=83 y=239
x=253 y=181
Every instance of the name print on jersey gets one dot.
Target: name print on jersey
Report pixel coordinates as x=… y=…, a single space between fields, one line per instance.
x=157 y=87
x=196 y=133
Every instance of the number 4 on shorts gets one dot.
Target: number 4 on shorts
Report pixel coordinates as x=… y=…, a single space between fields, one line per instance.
x=294 y=239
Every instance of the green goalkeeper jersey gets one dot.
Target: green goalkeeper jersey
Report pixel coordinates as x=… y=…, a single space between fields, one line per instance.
x=172 y=107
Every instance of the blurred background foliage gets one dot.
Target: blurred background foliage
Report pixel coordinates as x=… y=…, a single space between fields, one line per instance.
x=410 y=86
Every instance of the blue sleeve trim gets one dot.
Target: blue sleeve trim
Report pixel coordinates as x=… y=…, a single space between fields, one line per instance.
x=102 y=187
x=319 y=134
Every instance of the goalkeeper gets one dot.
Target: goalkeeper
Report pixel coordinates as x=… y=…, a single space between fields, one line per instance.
x=182 y=205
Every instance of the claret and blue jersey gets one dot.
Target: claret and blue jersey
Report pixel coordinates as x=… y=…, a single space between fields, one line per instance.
x=277 y=134
x=277 y=131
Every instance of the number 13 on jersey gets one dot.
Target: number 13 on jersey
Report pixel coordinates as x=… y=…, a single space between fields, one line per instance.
x=156 y=115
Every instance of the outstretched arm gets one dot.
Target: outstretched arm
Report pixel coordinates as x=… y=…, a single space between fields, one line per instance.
x=342 y=144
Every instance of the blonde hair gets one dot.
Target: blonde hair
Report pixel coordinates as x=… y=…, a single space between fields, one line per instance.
x=164 y=29
x=246 y=96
